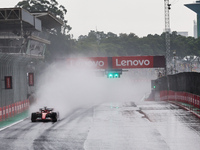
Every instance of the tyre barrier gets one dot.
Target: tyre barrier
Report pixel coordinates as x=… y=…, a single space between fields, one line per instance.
x=13 y=109
x=184 y=97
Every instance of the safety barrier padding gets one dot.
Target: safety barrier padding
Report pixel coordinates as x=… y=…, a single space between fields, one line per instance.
x=1 y=114
x=183 y=97
x=13 y=109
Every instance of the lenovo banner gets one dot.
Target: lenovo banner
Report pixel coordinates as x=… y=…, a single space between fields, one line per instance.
x=90 y=62
x=8 y=82
x=128 y=62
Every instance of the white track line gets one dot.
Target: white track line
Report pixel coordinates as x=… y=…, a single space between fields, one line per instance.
x=1 y=129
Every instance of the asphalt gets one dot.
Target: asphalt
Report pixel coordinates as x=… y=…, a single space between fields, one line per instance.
x=110 y=126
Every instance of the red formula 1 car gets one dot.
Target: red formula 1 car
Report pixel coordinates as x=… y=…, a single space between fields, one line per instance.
x=45 y=114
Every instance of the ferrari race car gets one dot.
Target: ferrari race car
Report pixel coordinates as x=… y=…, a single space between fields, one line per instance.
x=45 y=114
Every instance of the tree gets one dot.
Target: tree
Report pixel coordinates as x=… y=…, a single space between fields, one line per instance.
x=130 y=44
x=51 y=6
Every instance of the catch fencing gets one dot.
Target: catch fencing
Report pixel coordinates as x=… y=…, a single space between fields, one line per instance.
x=182 y=88
x=16 y=83
x=181 y=82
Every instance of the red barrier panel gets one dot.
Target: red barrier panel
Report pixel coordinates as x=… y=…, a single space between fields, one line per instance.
x=187 y=98
x=184 y=97
x=21 y=103
x=198 y=101
x=7 y=112
x=192 y=99
x=174 y=96
x=13 y=110
x=178 y=96
x=166 y=95
x=171 y=95
x=20 y=107
x=28 y=103
x=1 y=114
x=163 y=95
x=4 y=113
x=16 y=108
x=24 y=104
x=181 y=96
x=183 y=93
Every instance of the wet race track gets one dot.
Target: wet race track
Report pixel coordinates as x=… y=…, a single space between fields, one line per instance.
x=110 y=126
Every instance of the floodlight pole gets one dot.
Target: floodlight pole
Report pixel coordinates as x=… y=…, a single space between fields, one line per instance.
x=167 y=36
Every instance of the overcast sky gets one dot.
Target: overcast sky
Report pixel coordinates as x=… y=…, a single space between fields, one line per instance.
x=141 y=17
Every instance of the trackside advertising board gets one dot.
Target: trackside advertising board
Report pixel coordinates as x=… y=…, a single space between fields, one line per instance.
x=89 y=62
x=8 y=82
x=123 y=62
x=132 y=62
x=31 y=79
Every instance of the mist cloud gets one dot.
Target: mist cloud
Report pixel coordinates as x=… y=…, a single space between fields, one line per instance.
x=65 y=88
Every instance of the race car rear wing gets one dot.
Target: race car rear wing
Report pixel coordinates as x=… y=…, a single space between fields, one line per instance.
x=48 y=109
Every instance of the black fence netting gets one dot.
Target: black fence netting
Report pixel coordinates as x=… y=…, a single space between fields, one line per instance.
x=186 y=82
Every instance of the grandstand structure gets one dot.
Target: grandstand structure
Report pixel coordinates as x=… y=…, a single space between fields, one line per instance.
x=23 y=32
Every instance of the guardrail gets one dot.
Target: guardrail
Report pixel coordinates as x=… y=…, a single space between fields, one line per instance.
x=185 y=99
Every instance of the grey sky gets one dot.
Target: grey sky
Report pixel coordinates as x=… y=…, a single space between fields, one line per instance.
x=141 y=17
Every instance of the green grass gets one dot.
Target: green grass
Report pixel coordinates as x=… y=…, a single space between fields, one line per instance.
x=14 y=119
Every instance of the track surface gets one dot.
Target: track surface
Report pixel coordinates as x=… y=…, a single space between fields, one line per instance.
x=111 y=126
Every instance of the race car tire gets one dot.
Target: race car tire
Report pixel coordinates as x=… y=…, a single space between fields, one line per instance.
x=33 y=117
x=54 y=117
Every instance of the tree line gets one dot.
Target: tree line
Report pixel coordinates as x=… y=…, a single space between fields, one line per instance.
x=110 y=44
